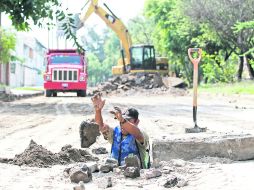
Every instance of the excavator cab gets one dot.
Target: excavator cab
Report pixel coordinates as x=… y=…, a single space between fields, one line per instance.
x=142 y=58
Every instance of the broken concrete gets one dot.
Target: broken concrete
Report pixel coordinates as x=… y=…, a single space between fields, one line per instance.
x=171 y=182
x=80 y=174
x=133 y=81
x=109 y=165
x=152 y=173
x=132 y=161
x=88 y=132
x=93 y=166
x=100 y=150
x=234 y=147
x=173 y=82
x=132 y=172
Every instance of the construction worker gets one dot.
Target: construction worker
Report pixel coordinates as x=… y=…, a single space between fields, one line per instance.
x=126 y=138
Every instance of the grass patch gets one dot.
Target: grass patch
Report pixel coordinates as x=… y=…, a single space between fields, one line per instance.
x=244 y=87
x=30 y=88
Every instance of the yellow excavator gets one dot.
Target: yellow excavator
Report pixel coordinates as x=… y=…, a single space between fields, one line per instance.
x=135 y=58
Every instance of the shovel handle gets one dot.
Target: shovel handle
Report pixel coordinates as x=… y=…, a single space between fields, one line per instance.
x=195 y=61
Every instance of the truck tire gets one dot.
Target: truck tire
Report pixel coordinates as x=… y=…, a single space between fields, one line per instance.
x=54 y=94
x=48 y=93
x=82 y=93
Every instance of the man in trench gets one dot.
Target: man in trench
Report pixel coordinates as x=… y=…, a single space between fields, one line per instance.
x=126 y=138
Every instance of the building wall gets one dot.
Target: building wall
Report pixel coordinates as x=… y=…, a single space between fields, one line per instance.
x=4 y=74
x=28 y=71
x=16 y=74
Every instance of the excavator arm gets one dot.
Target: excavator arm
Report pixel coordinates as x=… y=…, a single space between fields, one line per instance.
x=114 y=23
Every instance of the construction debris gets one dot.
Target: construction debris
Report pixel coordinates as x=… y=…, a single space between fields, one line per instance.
x=37 y=156
x=80 y=174
x=100 y=150
x=88 y=131
x=132 y=172
x=139 y=81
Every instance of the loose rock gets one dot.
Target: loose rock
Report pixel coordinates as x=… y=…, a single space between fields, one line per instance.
x=132 y=172
x=152 y=173
x=100 y=150
x=171 y=182
x=132 y=161
x=80 y=174
x=88 y=133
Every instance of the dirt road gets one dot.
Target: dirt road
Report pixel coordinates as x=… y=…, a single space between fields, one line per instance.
x=54 y=122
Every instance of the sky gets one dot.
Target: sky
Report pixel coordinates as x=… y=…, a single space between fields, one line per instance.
x=123 y=9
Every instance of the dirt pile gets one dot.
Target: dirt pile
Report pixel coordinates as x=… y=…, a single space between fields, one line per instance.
x=130 y=82
x=37 y=156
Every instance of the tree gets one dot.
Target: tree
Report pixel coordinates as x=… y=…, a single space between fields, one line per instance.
x=21 y=11
x=40 y=12
x=141 y=30
x=7 y=44
x=222 y=16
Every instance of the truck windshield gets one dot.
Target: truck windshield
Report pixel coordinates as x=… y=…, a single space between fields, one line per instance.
x=65 y=59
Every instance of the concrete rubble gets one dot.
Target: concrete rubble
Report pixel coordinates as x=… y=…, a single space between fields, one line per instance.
x=80 y=174
x=132 y=172
x=152 y=173
x=233 y=147
x=100 y=150
x=109 y=165
x=88 y=131
x=8 y=95
x=132 y=161
x=131 y=81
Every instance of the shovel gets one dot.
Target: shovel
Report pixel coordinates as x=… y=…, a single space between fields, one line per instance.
x=195 y=62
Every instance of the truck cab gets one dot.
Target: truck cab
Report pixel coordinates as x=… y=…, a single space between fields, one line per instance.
x=66 y=71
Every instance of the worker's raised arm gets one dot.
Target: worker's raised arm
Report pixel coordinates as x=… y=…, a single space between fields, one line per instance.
x=98 y=104
x=129 y=125
x=132 y=128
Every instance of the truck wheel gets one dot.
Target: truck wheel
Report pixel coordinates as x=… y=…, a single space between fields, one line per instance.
x=82 y=93
x=48 y=93
x=55 y=94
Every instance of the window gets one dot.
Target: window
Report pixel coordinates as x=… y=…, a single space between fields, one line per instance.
x=63 y=59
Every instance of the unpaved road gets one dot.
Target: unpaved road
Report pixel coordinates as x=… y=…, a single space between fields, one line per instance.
x=54 y=122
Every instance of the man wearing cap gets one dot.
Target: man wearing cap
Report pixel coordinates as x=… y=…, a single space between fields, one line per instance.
x=126 y=138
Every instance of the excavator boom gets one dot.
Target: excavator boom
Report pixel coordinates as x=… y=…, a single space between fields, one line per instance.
x=138 y=58
x=114 y=23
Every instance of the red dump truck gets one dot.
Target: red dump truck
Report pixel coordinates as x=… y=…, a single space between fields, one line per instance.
x=66 y=71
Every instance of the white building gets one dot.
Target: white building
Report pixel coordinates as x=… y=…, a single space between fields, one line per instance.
x=28 y=70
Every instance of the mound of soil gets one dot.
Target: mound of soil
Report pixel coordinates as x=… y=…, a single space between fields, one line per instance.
x=37 y=156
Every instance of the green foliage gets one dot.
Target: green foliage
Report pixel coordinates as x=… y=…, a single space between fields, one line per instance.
x=22 y=11
x=42 y=13
x=94 y=69
x=7 y=45
x=244 y=87
x=181 y=24
x=239 y=26
x=104 y=52
x=215 y=69
x=69 y=28
x=141 y=30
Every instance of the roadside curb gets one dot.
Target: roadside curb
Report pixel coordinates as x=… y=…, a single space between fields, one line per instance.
x=9 y=97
